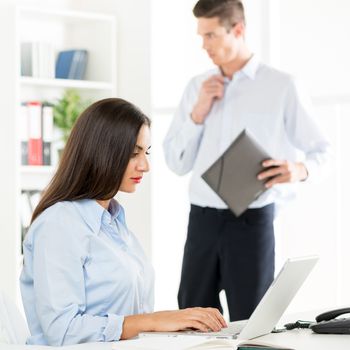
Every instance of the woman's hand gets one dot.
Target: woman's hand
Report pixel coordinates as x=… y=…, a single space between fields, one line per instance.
x=202 y=319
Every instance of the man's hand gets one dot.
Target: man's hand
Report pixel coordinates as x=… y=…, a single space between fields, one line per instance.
x=212 y=88
x=282 y=171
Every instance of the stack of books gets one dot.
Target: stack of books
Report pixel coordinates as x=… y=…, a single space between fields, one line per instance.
x=71 y=64
x=37 y=60
x=36 y=133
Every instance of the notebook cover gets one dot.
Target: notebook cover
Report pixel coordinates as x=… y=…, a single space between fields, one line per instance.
x=233 y=176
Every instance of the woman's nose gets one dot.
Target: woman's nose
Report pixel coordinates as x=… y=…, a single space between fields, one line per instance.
x=143 y=165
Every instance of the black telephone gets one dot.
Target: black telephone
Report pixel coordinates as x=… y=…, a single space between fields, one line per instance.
x=328 y=323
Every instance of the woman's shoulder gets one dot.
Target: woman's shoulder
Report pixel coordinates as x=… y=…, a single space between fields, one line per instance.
x=57 y=211
x=60 y=225
x=61 y=217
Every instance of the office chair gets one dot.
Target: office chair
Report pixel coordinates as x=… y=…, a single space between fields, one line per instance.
x=13 y=327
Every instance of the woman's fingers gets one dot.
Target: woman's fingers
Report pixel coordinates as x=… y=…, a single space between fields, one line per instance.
x=202 y=319
x=210 y=317
x=194 y=324
x=206 y=318
x=219 y=317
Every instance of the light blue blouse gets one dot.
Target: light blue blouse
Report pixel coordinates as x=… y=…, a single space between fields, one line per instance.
x=83 y=272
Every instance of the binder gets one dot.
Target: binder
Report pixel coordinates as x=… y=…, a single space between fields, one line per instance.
x=47 y=133
x=80 y=71
x=27 y=59
x=24 y=132
x=35 y=154
x=71 y=64
x=63 y=64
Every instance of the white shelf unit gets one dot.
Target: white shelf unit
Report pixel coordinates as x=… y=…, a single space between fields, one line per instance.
x=66 y=30
x=35 y=177
x=66 y=83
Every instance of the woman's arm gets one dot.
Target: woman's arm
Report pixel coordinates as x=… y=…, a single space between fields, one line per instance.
x=203 y=319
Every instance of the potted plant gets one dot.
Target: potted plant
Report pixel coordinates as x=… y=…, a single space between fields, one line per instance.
x=66 y=111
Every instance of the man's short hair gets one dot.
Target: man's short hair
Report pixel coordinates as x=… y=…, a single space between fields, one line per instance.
x=229 y=12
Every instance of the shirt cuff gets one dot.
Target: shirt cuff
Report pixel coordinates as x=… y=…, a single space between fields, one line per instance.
x=311 y=167
x=114 y=328
x=191 y=128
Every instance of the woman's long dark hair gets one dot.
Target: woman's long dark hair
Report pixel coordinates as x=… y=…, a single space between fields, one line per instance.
x=96 y=154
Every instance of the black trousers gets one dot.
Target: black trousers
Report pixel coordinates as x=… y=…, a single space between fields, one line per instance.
x=230 y=253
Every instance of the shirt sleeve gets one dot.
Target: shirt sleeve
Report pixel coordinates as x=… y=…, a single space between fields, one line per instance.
x=182 y=141
x=59 y=255
x=305 y=133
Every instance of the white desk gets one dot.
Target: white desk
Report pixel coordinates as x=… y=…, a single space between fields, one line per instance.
x=299 y=339
x=305 y=339
x=302 y=339
x=87 y=346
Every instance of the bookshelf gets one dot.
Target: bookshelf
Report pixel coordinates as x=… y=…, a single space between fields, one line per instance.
x=63 y=30
x=65 y=83
x=35 y=177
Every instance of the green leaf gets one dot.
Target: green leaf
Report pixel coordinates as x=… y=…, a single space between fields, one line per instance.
x=66 y=111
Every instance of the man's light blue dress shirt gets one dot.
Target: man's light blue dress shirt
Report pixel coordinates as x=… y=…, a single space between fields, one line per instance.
x=267 y=102
x=83 y=272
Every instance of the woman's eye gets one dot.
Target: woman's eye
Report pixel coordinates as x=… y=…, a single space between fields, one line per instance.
x=134 y=155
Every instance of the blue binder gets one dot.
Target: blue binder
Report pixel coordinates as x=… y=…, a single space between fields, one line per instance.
x=63 y=64
x=71 y=64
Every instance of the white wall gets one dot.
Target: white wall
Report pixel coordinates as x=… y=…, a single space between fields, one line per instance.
x=313 y=46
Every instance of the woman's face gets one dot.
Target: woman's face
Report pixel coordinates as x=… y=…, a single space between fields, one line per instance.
x=138 y=163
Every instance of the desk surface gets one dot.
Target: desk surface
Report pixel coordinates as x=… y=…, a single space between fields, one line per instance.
x=302 y=339
x=305 y=339
x=299 y=339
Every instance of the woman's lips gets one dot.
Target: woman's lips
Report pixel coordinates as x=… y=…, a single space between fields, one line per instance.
x=137 y=179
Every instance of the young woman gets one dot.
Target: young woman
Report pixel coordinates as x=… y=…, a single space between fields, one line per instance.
x=85 y=276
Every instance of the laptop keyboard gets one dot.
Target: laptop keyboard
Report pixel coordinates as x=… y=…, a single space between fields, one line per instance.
x=234 y=328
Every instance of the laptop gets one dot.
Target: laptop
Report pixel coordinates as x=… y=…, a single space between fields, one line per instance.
x=233 y=176
x=270 y=309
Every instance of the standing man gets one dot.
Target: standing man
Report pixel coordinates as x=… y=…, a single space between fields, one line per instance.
x=223 y=251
